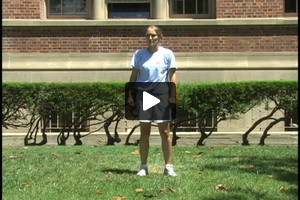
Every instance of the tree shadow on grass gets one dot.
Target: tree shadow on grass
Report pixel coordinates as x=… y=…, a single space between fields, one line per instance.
x=241 y=194
x=119 y=171
x=264 y=165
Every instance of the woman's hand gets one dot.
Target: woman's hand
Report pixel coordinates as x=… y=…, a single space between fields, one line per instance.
x=130 y=100
x=132 y=79
x=172 y=100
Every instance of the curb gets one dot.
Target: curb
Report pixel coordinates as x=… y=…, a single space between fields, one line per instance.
x=185 y=139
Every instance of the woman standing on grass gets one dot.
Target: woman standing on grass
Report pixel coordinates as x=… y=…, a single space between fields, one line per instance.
x=154 y=64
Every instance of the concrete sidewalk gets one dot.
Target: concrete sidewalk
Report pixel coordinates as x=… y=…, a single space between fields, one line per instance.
x=186 y=139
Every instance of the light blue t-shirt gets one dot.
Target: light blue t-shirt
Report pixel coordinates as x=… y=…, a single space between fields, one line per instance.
x=153 y=67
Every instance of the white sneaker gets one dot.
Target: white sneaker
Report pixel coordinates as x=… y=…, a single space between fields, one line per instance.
x=169 y=170
x=143 y=171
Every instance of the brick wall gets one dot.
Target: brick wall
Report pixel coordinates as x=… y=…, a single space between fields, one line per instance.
x=32 y=9
x=250 y=8
x=180 y=39
x=21 y=9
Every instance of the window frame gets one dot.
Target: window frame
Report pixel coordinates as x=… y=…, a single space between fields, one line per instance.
x=290 y=14
x=71 y=16
x=54 y=127
x=211 y=12
x=192 y=125
x=291 y=121
x=130 y=1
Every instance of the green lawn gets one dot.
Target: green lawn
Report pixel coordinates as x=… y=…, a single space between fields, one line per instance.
x=109 y=172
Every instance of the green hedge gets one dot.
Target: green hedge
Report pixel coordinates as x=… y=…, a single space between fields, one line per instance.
x=230 y=99
x=28 y=104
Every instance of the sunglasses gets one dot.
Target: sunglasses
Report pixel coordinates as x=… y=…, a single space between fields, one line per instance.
x=152 y=35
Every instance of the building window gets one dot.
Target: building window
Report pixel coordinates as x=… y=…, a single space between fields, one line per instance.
x=129 y=9
x=291 y=7
x=291 y=122
x=194 y=123
x=192 y=9
x=56 y=123
x=67 y=8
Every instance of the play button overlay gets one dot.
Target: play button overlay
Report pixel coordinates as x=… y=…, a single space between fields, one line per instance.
x=150 y=101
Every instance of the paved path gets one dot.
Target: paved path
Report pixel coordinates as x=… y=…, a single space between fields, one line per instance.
x=186 y=139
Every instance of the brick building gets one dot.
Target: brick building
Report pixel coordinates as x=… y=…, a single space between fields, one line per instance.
x=93 y=40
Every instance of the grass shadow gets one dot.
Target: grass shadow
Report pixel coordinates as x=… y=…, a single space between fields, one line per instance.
x=119 y=171
x=264 y=165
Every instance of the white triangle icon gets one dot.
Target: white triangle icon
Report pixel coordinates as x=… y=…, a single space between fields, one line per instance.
x=149 y=100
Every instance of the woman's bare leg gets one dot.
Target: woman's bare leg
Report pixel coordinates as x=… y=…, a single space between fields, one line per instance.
x=144 y=141
x=166 y=141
